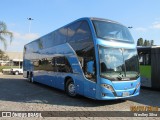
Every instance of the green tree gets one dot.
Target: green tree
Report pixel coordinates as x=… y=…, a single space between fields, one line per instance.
x=4 y=33
x=148 y=43
x=145 y=43
x=152 y=42
x=140 y=42
x=3 y=56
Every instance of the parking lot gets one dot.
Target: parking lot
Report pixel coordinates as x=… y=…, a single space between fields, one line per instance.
x=17 y=94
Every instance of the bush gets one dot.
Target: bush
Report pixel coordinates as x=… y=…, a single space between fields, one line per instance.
x=7 y=67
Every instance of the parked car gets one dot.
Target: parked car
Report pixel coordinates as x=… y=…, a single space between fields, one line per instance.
x=6 y=71
x=16 y=71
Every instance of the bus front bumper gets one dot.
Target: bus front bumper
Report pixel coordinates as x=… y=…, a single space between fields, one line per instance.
x=107 y=96
x=118 y=90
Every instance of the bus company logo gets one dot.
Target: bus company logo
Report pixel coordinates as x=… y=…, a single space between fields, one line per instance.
x=6 y=114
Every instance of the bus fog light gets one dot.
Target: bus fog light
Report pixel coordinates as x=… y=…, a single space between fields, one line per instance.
x=109 y=87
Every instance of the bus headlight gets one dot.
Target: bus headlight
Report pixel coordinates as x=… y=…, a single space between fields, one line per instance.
x=109 y=87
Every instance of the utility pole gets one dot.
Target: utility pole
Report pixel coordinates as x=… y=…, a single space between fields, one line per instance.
x=30 y=19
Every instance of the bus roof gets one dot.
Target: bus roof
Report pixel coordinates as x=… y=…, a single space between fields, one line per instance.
x=102 y=19
x=83 y=18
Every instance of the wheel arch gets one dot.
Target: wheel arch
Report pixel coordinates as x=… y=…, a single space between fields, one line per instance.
x=67 y=78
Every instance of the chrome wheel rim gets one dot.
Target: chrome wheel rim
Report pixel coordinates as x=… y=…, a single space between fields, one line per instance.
x=71 y=89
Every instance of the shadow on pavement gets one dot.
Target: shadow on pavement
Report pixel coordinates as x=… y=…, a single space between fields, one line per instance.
x=21 y=90
x=147 y=97
x=18 y=89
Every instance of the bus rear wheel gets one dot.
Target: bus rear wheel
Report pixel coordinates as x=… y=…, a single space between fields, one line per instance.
x=30 y=78
x=70 y=88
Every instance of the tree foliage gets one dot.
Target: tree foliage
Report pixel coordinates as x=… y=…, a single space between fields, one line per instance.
x=3 y=56
x=141 y=42
x=4 y=33
x=152 y=42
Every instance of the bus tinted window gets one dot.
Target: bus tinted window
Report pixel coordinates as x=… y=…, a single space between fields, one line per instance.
x=47 y=41
x=72 y=31
x=56 y=64
x=83 y=45
x=61 y=64
x=112 y=31
x=82 y=38
x=60 y=36
x=144 y=59
x=83 y=32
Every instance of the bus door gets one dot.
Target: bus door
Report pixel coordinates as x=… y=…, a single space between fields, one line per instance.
x=90 y=82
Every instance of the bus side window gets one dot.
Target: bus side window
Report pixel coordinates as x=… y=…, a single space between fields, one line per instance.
x=61 y=64
x=144 y=58
x=60 y=36
x=55 y=69
x=71 y=31
x=81 y=41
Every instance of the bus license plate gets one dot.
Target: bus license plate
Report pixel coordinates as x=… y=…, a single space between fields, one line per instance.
x=125 y=94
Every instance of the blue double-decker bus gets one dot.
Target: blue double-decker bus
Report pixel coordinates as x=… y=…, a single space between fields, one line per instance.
x=93 y=57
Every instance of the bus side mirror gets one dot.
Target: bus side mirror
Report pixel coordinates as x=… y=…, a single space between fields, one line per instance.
x=90 y=67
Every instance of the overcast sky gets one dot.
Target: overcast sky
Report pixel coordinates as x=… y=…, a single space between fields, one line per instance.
x=48 y=15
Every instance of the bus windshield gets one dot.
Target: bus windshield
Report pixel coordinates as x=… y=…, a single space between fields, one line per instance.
x=112 y=31
x=118 y=63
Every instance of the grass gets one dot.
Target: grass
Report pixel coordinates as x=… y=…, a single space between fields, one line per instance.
x=145 y=71
x=7 y=67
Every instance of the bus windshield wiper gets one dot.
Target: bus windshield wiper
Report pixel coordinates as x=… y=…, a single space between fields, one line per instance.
x=119 y=77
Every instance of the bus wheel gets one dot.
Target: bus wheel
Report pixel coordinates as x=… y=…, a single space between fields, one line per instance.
x=70 y=88
x=31 y=78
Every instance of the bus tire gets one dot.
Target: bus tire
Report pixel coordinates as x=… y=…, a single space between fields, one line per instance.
x=27 y=74
x=70 y=88
x=31 y=78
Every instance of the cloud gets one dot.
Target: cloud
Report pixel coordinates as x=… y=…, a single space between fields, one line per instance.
x=156 y=25
x=19 y=40
x=27 y=36
x=140 y=29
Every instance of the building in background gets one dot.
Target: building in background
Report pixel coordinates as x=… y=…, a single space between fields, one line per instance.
x=14 y=59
